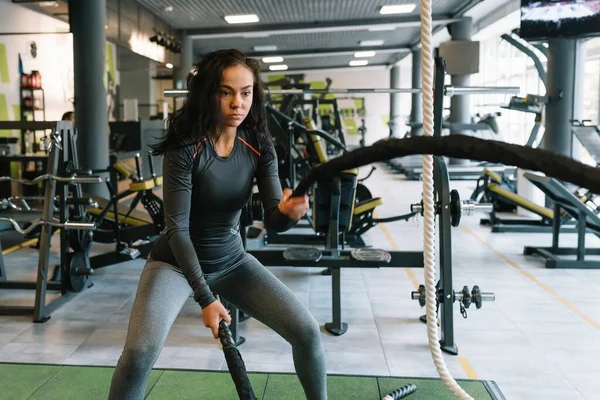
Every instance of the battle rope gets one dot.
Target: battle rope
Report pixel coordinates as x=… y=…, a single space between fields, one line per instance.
x=235 y=363
x=463 y=147
x=455 y=146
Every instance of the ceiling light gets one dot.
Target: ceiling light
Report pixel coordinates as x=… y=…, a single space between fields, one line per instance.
x=48 y=4
x=169 y=9
x=280 y=67
x=358 y=63
x=272 y=59
x=255 y=35
x=265 y=48
x=399 y=9
x=360 y=54
x=169 y=65
x=371 y=42
x=382 y=28
x=241 y=19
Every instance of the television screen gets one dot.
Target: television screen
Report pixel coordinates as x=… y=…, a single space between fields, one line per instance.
x=553 y=18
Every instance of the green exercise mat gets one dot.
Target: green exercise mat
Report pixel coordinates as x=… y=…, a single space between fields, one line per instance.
x=57 y=382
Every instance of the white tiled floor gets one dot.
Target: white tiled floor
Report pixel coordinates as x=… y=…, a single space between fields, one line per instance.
x=540 y=339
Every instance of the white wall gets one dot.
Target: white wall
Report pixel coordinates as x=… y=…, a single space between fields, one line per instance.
x=15 y=18
x=54 y=60
x=21 y=26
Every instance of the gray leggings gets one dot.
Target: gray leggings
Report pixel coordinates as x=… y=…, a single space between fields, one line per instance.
x=251 y=288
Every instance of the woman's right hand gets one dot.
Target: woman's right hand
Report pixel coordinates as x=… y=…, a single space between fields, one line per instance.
x=212 y=314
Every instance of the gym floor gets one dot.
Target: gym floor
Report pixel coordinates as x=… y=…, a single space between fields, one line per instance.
x=540 y=339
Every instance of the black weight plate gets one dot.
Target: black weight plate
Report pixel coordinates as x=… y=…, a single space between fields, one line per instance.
x=75 y=282
x=455 y=208
x=81 y=240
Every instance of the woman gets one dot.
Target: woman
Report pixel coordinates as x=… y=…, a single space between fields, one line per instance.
x=216 y=145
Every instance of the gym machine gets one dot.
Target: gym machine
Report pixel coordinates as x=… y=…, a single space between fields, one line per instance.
x=133 y=237
x=296 y=162
x=65 y=178
x=411 y=167
x=334 y=199
x=587 y=221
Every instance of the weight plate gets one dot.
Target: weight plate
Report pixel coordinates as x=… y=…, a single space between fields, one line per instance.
x=77 y=260
x=81 y=240
x=455 y=208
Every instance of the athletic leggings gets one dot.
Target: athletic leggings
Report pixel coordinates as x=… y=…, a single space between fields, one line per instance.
x=251 y=288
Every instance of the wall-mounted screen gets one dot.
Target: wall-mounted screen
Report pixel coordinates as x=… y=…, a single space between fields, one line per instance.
x=551 y=19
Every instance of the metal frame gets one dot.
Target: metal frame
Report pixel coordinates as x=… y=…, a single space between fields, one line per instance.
x=123 y=236
x=334 y=258
x=41 y=310
x=563 y=199
x=530 y=53
x=449 y=91
x=456 y=172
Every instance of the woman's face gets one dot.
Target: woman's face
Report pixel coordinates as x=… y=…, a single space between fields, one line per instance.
x=236 y=95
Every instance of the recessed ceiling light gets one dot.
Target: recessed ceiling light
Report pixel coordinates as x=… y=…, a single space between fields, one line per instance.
x=358 y=63
x=265 y=48
x=169 y=9
x=241 y=19
x=382 y=28
x=272 y=59
x=360 y=54
x=280 y=67
x=255 y=35
x=371 y=42
x=398 y=9
x=169 y=65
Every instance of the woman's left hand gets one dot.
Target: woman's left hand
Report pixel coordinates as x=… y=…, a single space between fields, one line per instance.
x=293 y=207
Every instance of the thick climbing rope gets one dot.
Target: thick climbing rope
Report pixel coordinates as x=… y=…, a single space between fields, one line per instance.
x=429 y=207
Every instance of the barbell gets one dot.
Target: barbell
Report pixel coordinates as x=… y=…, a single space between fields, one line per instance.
x=449 y=90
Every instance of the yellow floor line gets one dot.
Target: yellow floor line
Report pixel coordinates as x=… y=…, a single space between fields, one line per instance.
x=533 y=279
x=463 y=361
x=467 y=367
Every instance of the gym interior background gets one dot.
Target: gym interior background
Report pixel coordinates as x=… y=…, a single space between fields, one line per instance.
x=539 y=338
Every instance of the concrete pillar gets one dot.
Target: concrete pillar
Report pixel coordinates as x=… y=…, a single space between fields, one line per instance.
x=561 y=84
x=416 y=109
x=395 y=105
x=187 y=60
x=578 y=151
x=460 y=106
x=87 y=20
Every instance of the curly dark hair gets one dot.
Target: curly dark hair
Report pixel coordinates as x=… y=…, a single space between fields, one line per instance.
x=201 y=111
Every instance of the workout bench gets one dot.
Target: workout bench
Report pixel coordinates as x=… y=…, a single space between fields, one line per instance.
x=332 y=212
x=586 y=219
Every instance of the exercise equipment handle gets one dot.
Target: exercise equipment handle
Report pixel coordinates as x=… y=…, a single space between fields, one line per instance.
x=462 y=91
x=485 y=296
x=151 y=165
x=69 y=179
x=75 y=225
x=469 y=207
x=81 y=171
x=67 y=225
x=138 y=167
